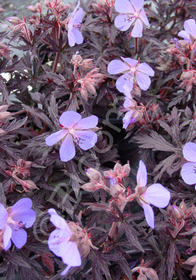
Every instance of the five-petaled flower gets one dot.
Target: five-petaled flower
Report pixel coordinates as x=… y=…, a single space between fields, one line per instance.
x=74 y=128
x=188 y=171
x=60 y=244
x=189 y=33
x=155 y=194
x=74 y=24
x=133 y=72
x=131 y=13
x=13 y=220
x=133 y=113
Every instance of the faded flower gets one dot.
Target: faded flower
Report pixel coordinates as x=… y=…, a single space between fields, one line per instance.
x=13 y=221
x=155 y=194
x=60 y=242
x=131 y=13
x=74 y=129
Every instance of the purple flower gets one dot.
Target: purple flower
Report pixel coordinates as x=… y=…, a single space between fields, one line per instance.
x=131 y=114
x=133 y=72
x=59 y=242
x=188 y=171
x=155 y=194
x=13 y=220
x=74 y=24
x=131 y=13
x=74 y=128
x=190 y=30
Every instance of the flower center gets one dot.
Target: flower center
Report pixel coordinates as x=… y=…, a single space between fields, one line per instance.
x=16 y=225
x=71 y=130
x=136 y=14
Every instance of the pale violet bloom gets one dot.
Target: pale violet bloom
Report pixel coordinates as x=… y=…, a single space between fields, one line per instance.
x=133 y=72
x=13 y=220
x=74 y=24
x=59 y=242
x=155 y=194
x=74 y=129
x=131 y=113
x=131 y=13
x=190 y=30
x=188 y=171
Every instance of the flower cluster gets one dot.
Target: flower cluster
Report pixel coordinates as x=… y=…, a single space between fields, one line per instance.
x=155 y=194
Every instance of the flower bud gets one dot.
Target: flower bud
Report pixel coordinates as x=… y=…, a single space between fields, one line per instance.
x=150 y=273
x=14 y=20
x=91 y=187
x=94 y=175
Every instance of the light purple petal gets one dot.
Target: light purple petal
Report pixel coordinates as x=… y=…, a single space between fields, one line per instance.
x=190 y=27
x=130 y=61
x=137 y=4
x=59 y=222
x=69 y=118
x=27 y=217
x=76 y=33
x=76 y=18
x=141 y=175
x=21 y=212
x=188 y=173
x=64 y=272
x=129 y=102
x=7 y=234
x=189 y=151
x=145 y=68
x=71 y=254
x=86 y=139
x=64 y=248
x=143 y=80
x=56 y=241
x=3 y=216
x=71 y=38
x=143 y=17
x=20 y=206
x=19 y=238
x=86 y=123
x=117 y=66
x=8 y=245
x=123 y=22
x=55 y=137
x=123 y=6
x=67 y=150
x=157 y=195
x=125 y=84
x=137 y=29
x=184 y=35
x=128 y=119
x=149 y=214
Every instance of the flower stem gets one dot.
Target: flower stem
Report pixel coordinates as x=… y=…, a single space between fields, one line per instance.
x=56 y=62
x=136 y=45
